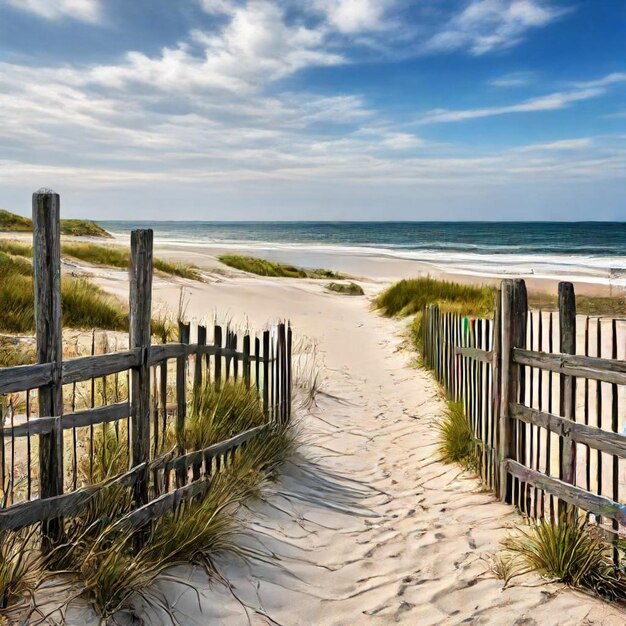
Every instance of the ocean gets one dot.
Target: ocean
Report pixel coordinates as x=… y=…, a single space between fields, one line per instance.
x=595 y=250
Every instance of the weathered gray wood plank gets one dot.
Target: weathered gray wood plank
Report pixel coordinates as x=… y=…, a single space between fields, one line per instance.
x=48 y=333
x=484 y=356
x=186 y=460
x=23 y=377
x=599 y=505
x=595 y=368
x=87 y=367
x=597 y=438
x=141 y=269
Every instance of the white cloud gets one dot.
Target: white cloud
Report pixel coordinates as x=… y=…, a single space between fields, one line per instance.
x=354 y=16
x=82 y=10
x=513 y=79
x=563 y=144
x=550 y=102
x=255 y=47
x=486 y=25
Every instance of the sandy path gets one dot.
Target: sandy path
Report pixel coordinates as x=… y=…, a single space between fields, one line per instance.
x=367 y=526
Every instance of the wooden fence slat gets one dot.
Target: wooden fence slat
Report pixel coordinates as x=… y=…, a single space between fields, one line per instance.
x=181 y=398
x=567 y=345
x=600 y=505
x=514 y=308
x=606 y=370
x=96 y=366
x=596 y=438
x=140 y=297
x=49 y=336
x=217 y=340
x=23 y=377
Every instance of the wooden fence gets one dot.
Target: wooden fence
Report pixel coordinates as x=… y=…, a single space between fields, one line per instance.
x=545 y=394
x=130 y=391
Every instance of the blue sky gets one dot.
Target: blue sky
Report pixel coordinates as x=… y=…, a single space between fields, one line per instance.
x=315 y=109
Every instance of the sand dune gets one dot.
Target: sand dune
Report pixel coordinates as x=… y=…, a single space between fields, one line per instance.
x=365 y=526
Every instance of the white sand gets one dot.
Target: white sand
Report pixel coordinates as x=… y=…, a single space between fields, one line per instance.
x=367 y=525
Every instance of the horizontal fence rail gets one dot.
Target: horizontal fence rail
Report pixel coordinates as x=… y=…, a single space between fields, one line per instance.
x=55 y=410
x=545 y=395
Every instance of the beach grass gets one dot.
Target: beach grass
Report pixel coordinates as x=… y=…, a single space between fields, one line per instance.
x=21 y=567
x=457 y=443
x=347 y=289
x=571 y=551
x=10 y=222
x=113 y=256
x=101 y=552
x=410 y=296
x=261 y=267
x=98 y=254
x=83 y=304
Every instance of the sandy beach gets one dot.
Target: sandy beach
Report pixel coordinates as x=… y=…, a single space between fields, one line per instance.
x=366 y=525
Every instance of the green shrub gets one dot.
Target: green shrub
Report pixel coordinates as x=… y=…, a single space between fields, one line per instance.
x=348 y=289
x=21 y=566
x=407 y=297
x=457 y=443
x=217 y=414
x=261 y=267
x=115 y=256
x=571 y=551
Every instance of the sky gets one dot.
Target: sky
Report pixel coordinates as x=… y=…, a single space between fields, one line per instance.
x=315 y=109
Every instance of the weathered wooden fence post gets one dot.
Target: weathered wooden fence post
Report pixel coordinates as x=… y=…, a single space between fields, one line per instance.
x=184 y=332
x=496 y=390
x=266 y=373
x=514 y=310
x=139 y=337
x=567 y=345
x=48 y=330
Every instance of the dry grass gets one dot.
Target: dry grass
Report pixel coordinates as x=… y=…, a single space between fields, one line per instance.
x=261 y=267
x=113 y=256
x=21 y=566
x=347 y=289
x=408 y=297
x=571 y=551
x=457 y=443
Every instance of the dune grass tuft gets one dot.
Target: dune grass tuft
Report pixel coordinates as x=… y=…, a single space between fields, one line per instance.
x=261 y=267
x=457 y=443
x=571 y=551
x=21 y=566
x=114 y=256
x=348 y=289
x=410 y=296
x=217 y=414
x=115 y=574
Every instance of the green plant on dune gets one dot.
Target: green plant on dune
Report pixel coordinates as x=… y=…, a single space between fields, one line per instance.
x=261 y=267
x=571 y=551
x=100 y=550
x=219 y=413
x=457 y=443
x=83 y=304
x=410 y=296
x=21 y=567
x=115 y=256
x=348 y=289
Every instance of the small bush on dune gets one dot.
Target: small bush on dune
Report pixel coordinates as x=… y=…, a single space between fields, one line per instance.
x=570 y=551
x=457 y=443
x=407 y=297
x=21 y=566
x=83 y=304
x=86 y=306
x=348 y=289
x=217 y=414
x=261 y=267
